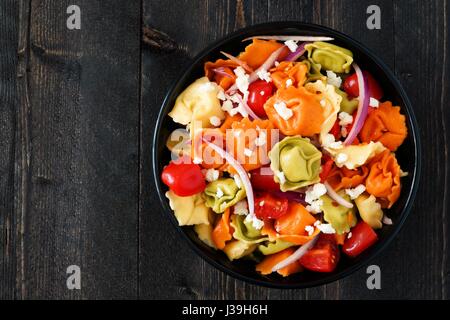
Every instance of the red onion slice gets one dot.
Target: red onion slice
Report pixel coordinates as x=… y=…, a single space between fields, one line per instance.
x=336 y=197
x=238 y=61
x=221 y=71
x=241 y=172
x=247 y=108
x=363 y=106
x=289 y=37
x=293 y=56
x=300 y=252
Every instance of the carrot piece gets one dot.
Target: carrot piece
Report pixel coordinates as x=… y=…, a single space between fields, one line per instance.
x=307 y=115
x=385 y=124
x=270 y=261
x=222 y=231
x=294 y=221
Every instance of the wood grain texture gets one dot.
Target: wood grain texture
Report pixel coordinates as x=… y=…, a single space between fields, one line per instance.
x=78 y=110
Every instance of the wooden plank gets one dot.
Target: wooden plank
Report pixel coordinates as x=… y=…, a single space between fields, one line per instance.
x=81 y=202
x=9 y=23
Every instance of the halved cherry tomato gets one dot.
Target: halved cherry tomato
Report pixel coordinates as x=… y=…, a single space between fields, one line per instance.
x=259 y=91
x=351 y=86
x=184 y=179
x=324 y=256
x=363 y=236
x=269 y=207
x=327 y=165
x=262 y=179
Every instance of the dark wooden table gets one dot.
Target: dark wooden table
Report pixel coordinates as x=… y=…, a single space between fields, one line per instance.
x=78 y=108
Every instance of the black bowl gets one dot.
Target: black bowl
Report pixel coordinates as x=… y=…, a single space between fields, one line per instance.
x=408 y=154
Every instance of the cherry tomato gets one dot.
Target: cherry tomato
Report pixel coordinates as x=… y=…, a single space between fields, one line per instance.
x=184 y=179
x=269 y=207
x=326 y=168
x=351 y=86
x=362 y=238
x=259 y=92
x=262 y=179
x=324 y=256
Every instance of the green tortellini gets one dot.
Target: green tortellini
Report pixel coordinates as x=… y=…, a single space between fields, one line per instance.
x=313 y=71
x=223 y=193
x=347 y=105
x=340 y=217
x=295 y=162
x=274 y=247
x=244 y=230
x=330 y=56
x=370 y=210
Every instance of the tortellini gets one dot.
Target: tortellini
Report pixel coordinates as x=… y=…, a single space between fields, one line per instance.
x=295 y=162
x=178 y=142
x=223 y=193
x=274 y=247
x=313 y=71
x=237 y=249
x=198 y=102
x=347 y=105
x=340 y=217
x=331 y=104
x=244 y=230
x=204 y=233
x=370 y=210
x=189 y=210
x=354 y=156
x=330 y=56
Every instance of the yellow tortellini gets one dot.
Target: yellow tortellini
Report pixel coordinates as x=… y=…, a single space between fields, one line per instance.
x=223 y=193
x=204 y=233
x=189 y=210
x=198 y=102
x=244 y=230
x=295 y=162
x=354 y=156
x=347 y=105
x=274 y=247
x=370 y=210
x=179 y=142
x=331 y=104
x=340 y=217
x=330 y=56
x=238 y=249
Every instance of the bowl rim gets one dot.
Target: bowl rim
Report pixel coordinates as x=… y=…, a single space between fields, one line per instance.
x=187 y=70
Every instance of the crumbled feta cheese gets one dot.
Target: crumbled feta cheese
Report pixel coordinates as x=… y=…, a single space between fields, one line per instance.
x=240 y=208
x=288 y=83
x=281 y=177
x=291 y=44
x=215 y=121
x=344 y=132
x=317 y=223
x=256 y=223
x=277 y=63
x=328 y=139
x=227 y=105
x=374 y=103
x=387 y=220
x=221 y=95
x=315 y=206
x=333 y=79
x=248 y=152
x=355 y=192
x=336 y=145
x=326 y=228
x=242 y=81
x=315 y=192
x=310 y=230
x=345 y=119
x=264 y=75
x=261 y=203
x=349 y=235
x=219 y=193
x=238 y=181
x=261 y=140
x=283 y=110
x=212 y=175
x=341 y=158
